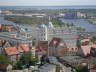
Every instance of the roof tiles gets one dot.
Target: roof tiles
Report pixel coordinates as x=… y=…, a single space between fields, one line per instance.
x=11 y=51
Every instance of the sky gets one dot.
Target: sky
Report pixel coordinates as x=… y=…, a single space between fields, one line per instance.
x=46 y=2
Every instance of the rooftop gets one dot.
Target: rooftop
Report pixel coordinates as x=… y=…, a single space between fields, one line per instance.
x=47 y=68
x=79 y=59
x=24 y=47
x=11 y=51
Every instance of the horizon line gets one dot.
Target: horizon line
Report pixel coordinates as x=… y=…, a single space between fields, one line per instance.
x=47 y=5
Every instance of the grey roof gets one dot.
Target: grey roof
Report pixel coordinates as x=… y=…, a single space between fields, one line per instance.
x=72 y=58
x=47 y=68
x=79 y=59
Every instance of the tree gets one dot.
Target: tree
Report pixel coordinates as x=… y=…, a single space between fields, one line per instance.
x=4 y=59
x=26 y=59
x=81 y=68
x=93 y=39
x=33 y=61
x=4 y=30
x=78 y=43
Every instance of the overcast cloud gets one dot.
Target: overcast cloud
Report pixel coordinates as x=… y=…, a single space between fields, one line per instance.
x=46 y=2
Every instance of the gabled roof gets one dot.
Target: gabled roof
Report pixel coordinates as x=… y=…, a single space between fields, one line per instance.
x=11 y=51
x=2 y=42
x=86 y=49
x=42 y=46
x=55 y=42
x=24 y=47
x=20 y=49
x=7 y=44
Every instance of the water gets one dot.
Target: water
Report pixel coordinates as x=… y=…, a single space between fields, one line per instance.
x=46 y=7
x=77 y=22
x=6 y=22
x=81 y=23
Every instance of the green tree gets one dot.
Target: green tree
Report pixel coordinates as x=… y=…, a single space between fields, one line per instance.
x=81 y=68
x=78 y=43
x=93 y=39
x=4 y=30
x=26 y=59
x=4 y=59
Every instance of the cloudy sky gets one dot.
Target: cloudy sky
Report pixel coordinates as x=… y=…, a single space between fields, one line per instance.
x=45 y=2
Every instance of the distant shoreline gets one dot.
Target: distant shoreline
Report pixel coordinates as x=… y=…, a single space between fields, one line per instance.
x=47 y=7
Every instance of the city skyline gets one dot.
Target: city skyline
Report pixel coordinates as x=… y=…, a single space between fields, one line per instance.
x=46 y=2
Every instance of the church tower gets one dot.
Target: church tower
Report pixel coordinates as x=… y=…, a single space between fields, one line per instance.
x=50 y=25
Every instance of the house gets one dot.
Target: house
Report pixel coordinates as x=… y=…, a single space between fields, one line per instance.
x=84 y=50
x=15 y=52
x=6 y=67
x=23 y=47
x=73 y=60
x=48 y=68
x=70 y=15
x=92 y=67
x=57 y=47
x=6 y=44
x=92 y=70
x=11 y=28
x=12 y=53
x=87 y=48
x=46 y=32
x=72 y=51
x=93 y=50
x=85 y=41
x=42 y=47
x=2 y=42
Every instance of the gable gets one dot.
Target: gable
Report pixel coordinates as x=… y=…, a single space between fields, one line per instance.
x=7 y=44
x=80 y=52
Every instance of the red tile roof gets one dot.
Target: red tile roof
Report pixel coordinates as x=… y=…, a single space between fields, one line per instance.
x=12 y=27
x=11 y=51
x=24 y=47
